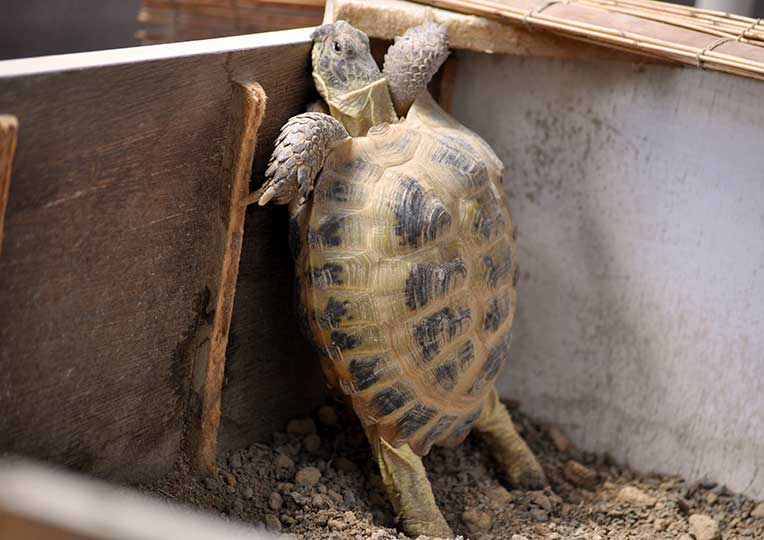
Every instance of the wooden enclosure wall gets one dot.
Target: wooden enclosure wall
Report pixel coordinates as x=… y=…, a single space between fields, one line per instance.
x=114 y=234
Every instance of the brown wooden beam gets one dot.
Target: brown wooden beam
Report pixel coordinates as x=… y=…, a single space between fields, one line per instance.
x=8 y=130
x=247 y=110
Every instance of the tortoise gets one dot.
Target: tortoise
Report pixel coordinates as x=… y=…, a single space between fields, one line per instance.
x=405 y=260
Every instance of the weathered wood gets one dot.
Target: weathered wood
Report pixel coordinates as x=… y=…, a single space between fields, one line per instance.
x=116 y=225
x=247 y=110
x=8 y=128
x=386 y=19
x=40 y=503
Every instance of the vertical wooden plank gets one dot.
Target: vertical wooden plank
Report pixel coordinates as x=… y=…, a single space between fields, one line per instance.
x=8 y=129
x=247 y=110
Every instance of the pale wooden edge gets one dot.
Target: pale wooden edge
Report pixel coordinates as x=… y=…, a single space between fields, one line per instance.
x=386 y=19
x=67 y=62
x=39 y=499
x=247 y=111
x=8 y=135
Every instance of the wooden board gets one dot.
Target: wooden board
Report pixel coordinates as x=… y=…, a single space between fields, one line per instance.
x=8 y=129
x=386 y=19
x=246 y=113
x=41 y=503
x=115 y=232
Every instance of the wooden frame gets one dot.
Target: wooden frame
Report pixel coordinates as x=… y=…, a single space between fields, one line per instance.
x=123 y=236
x=8 y=129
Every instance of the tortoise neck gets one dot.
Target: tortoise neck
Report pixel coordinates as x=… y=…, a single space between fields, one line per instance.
x=362 y=109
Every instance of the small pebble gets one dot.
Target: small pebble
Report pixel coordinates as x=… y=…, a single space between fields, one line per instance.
x=539 y=499
x=345 y=465
x=704 y=527
x=235 y=460
x=284 y=466
x=476 y=520
x=498 y=497
x=311 y=443
x=308 y=476
x=238 y=505
x=635 y=496
x=336 y=524
x=275 y=501
x=579 y=475
x=301 y=426
x=229 y=479
x=272 y=522
x=539 y=515
x=327 y=415
x=559 y=439
x=758 y=511
x=210 y=483
x=519 y=537
x=247 y=493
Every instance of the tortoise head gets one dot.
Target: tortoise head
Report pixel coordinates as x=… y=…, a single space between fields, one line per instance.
x=342 y=61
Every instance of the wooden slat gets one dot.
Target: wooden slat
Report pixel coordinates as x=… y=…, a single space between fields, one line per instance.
x=386 y=19
x=247 y=110
x=116 y=227
x=8 y=129
x=41 y=503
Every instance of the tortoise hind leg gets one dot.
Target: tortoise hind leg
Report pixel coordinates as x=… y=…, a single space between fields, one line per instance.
x=409 y=489
x=510 y=450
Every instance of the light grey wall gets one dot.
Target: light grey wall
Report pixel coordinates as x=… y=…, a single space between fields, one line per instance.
x=639 y=197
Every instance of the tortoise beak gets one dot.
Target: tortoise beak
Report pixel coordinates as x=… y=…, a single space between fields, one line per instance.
x=322 y=31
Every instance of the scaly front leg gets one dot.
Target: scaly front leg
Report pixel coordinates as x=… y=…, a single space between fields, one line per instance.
x=302 y=147
x=412 y=61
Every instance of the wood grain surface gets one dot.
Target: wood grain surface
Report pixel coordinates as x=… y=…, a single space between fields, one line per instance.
x=115 y=231
x=8 y=129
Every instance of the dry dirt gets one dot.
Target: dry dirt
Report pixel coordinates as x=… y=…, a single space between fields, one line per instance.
x=317 y=481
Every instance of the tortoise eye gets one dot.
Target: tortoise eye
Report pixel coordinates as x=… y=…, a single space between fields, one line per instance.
x=336 y=46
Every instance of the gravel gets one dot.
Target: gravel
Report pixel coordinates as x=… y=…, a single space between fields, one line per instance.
x=318 y=480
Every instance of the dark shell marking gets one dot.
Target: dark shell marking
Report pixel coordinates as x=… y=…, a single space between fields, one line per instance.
x=419 y=220
x=345 y=341
x=497 y=312
x=367 y=371
x=432 y=332
x=497 y=357
x=440 y=427
x=329 y=275
x=413 y=420
x=498 y=265
x=334 y=313
x=473 y=171
x=390 y=399
x=328 y=233
x=446 y=374
x=429 y=281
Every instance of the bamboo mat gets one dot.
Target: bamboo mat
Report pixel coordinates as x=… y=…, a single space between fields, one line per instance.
x=182 y=20
x=704 y=38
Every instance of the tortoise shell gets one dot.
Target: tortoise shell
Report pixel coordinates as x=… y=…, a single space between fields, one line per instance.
x=405 y=263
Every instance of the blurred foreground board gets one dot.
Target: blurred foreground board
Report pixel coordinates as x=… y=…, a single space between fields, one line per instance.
x=41 y=503
x=182 y=20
